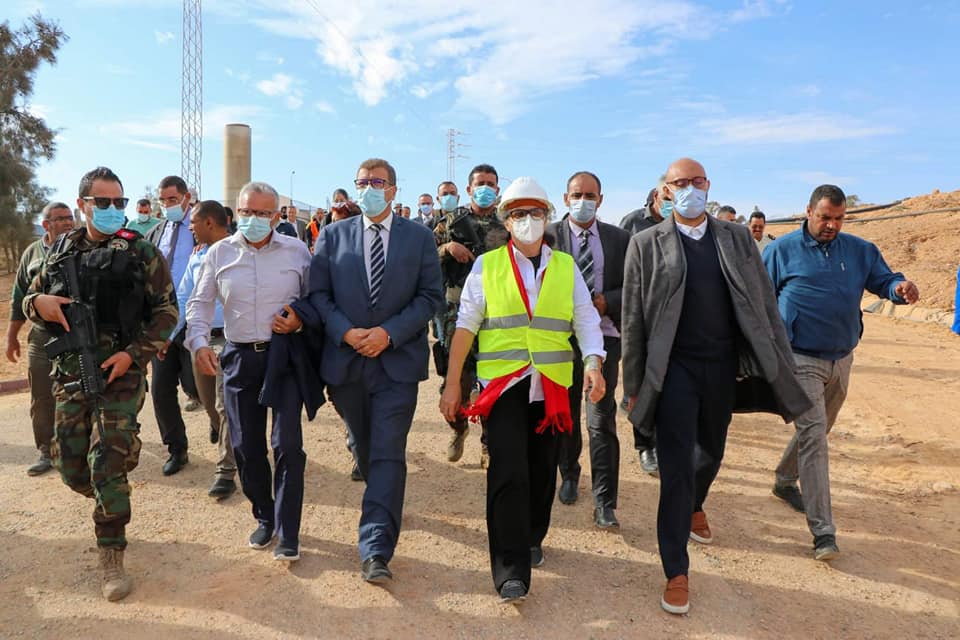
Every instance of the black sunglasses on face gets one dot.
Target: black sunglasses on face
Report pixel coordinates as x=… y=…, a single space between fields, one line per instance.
x=103 y=203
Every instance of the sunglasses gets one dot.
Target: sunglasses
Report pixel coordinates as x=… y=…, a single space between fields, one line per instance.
x=103 y=203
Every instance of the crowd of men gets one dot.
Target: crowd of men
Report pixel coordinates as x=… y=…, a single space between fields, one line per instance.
x=533 y=319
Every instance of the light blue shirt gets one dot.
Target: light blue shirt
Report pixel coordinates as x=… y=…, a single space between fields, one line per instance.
x=185 y=288
x=182 y=252
x=252 y=284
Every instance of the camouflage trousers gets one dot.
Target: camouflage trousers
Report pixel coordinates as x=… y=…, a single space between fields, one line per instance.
x=468 y=377
x=97 y=467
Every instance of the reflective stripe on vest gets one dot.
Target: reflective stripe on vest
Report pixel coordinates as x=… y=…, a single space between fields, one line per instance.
x=508 y=340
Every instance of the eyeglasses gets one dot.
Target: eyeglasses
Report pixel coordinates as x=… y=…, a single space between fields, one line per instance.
x=376 y=183
x=171 y=200
x=260 y=213
x=682 y=183
x=60 y=219
x=103 y=203
x=520 y=214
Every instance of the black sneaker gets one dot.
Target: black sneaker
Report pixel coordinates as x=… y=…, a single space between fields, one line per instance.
x=40 y=467
x=287 y=551
x=355 y=474
x=825 y=547
x=262 y=537
x=513 y=591
x=791 y=495
x=536 y=557
x=374 y=569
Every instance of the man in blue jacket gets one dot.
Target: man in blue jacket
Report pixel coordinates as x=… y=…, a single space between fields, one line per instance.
x=819 y=276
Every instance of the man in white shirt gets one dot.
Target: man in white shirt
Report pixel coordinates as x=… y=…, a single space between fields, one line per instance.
x=256 y=273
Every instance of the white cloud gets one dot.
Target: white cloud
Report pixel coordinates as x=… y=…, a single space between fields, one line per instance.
x=501 y=57
x=163 y=37
x=324 y=107
x=283 y=85
x=242 y=76
x=754 y=9
x=786 y=129
x=165 y=125
x=266 y=56
x=293 y=102
x=808 y=90
x=159 y=146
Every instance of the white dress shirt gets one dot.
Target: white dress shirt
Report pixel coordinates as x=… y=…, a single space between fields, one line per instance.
x=694 y=233
x=251 y=284
x=368 y=240
x=596 y=249
x=586 y=320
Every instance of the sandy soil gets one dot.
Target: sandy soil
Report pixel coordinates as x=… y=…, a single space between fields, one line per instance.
x=895 y=478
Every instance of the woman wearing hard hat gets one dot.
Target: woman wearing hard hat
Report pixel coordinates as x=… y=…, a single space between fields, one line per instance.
x=524 y=301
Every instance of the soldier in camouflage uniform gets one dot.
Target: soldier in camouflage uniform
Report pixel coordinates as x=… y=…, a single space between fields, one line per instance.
x=462 y=234
x=128 y=283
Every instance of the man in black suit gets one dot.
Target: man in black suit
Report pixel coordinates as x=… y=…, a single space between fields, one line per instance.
x=599 y=250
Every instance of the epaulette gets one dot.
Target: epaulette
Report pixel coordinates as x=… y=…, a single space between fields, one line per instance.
x=128 y=234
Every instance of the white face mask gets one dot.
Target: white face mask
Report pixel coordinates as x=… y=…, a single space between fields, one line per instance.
x=527 y=230
x=583 y=210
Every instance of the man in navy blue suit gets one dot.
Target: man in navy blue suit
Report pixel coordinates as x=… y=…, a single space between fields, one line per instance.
x=375 y=282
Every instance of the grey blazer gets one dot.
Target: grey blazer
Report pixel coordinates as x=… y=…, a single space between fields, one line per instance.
x=653 y=289
x=614 y=241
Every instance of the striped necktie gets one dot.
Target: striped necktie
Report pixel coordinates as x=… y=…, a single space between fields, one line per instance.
x=376 y=264
x=585 y=260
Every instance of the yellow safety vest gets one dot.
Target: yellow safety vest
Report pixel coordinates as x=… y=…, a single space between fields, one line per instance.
x=509 y=340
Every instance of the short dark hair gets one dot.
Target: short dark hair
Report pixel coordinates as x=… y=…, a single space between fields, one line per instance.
x=342 y=192
x=100 y=173
x=379 y=163
x=228 y=211
x=212 y=210
x=174 y=181
x=425 y=194
x=831 y=192
x=450 y=182
x=758 y=214
x=585 y=173
x=726 y=209
x=283 y=209
x=143 y=201
x=482 y=168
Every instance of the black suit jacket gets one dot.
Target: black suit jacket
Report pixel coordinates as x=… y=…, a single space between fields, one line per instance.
x=614 y=241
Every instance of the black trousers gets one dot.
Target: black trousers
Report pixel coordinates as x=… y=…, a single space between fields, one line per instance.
x=521 y=479
x=175 y=369
x=601 y=429
x=692 y=417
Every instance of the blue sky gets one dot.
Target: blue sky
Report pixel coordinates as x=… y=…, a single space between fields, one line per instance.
x=772 y=96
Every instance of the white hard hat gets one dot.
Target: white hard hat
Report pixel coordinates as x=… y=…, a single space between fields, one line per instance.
x=524 y=188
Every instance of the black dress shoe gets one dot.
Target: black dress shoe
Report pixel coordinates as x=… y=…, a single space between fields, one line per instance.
x=214 y=435
x=568 y=492
x=355 y=474
x=791 y=495
x=374 y=569
x=648 y=462
x=536 y=557
x=222 y=488
x=174 y=463
x=605 y=518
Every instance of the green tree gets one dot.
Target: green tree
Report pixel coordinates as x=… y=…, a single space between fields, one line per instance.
x=853 y=201
x=25 y=139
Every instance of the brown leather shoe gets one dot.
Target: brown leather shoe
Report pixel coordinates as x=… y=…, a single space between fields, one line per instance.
x=699 y=529
x=676 y=596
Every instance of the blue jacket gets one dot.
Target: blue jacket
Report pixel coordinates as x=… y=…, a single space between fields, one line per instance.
x=819 y=288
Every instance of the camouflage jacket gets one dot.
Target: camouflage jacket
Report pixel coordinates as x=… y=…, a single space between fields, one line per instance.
x=490 y=234
x=159 y=297
x=30 y=263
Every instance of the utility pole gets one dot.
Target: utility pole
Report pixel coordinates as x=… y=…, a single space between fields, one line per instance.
x=191 y=95
x=453 y=153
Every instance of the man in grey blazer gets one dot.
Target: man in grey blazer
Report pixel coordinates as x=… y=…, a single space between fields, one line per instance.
x=599 y=250
x=375 y=282
x=702 y=336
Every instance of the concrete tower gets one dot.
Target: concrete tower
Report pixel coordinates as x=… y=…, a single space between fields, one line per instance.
x=236 y=162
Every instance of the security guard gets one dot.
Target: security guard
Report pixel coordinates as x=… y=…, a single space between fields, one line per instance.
x=127 y=284
x=523 y=301
x=462 y=234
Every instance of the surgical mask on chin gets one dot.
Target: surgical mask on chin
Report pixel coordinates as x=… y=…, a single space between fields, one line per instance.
x=174 y=214
x=449 y=202
x=484 y=196
x=143 y=217
x=108 y=221
x=583 y=210
x=253 y=228
x=528 y=230
x=372 y=201
x=690 y=202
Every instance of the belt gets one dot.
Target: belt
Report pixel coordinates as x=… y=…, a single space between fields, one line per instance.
x=216 y=332
x=259 y=347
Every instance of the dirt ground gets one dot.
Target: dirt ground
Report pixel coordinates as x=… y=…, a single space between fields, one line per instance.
x=895 y=478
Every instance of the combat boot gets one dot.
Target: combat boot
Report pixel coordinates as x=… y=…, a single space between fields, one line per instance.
x=116 y=583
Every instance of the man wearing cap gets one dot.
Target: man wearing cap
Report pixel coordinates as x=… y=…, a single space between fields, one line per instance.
x=524 y=302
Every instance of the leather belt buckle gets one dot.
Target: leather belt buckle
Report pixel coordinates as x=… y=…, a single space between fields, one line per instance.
x=260 y=347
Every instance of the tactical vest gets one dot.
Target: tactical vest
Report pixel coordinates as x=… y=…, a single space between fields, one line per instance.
x=510 y=340
x=111 y=278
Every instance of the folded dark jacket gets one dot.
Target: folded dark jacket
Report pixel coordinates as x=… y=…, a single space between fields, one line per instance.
x=296 y=355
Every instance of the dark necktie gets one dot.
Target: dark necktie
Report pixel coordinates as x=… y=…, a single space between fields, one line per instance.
x=376 y=264
x=173 y=243
x=585 y=260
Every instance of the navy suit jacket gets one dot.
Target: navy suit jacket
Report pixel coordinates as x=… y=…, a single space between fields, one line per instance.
x=410 y=295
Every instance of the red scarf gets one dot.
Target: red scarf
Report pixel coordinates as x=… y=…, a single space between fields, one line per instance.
x=556 y=400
